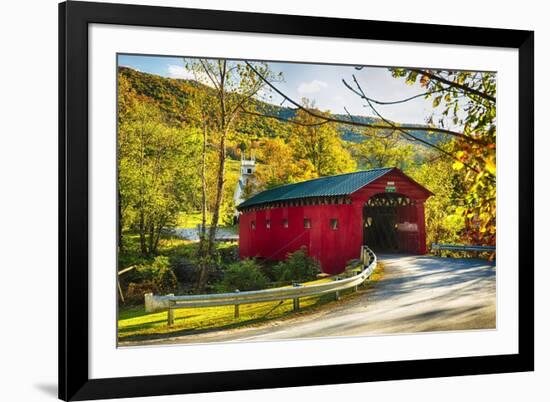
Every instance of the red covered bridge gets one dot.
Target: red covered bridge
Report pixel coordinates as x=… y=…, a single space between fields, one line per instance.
x=333 y=216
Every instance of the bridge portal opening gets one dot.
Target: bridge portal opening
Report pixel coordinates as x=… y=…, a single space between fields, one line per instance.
x=390 y=224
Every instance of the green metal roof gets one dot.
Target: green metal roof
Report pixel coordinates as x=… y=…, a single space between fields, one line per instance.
x=330 y=186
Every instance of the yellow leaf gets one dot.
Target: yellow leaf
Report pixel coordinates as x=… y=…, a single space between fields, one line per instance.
x=458 y=165
x=491 y=167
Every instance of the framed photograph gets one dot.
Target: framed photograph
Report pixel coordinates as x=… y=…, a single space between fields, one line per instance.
x=259 y=201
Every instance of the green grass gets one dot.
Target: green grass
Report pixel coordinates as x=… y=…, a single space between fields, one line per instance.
x=135 y=324
x=191 y=219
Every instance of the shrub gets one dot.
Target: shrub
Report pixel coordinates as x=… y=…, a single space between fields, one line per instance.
x=298 y=266
x=186 y=270
x=136 y=291
x=160 y=274
x=243 y=275
x=229 y=253
x=166 y=281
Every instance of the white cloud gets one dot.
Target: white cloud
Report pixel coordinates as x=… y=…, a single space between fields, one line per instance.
x=311 y=87
x=131 y=67
x=182 y=72
x=175 y=71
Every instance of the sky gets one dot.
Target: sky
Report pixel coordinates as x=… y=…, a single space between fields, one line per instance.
x=318 y=82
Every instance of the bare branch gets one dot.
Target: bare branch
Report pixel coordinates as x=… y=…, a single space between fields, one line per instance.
x=349 y=114
x=372 y=135
x=464 y=88
x=357 y=123
x=209 y=74
x=390 y=125
x=361 y=93
x=369 y=100
x=407 y=99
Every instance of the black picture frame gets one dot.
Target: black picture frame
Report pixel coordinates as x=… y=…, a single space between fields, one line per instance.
x=74 y=381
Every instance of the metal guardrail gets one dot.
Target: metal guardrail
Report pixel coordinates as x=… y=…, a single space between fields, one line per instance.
x=295 y=292
x=460 y=247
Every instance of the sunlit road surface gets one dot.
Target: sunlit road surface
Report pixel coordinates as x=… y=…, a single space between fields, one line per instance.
x=416 y=294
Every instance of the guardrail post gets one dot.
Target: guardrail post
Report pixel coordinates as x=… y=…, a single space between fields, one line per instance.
x=296 y=301
x=170 y=314
x=236 y=315
x=337 y=293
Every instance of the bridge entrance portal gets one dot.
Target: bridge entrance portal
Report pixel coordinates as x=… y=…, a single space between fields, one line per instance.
x=390 y=223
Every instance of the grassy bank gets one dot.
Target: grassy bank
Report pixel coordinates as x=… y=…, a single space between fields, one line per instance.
x=135 y=324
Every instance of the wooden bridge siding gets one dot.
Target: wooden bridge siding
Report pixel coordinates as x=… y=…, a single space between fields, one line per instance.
x=333 y=248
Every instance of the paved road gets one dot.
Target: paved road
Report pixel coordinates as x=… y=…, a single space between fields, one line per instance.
x=417 y=293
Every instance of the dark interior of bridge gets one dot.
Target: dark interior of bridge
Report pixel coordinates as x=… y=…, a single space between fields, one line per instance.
x=380 y=219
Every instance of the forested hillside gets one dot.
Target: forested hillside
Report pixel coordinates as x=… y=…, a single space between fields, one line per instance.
x=171 y=96
x=180 y=143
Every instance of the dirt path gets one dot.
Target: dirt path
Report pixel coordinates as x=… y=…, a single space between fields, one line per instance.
x=417 y=293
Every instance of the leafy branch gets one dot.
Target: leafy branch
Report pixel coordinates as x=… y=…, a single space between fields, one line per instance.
x=359 y=92
x=462 y=87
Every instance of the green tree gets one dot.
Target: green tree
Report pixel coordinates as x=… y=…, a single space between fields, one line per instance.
x=384 y=149
x=445 y=222
x=156 y=178
x=278 y=164
x=467 y=100
x=320 y=143
x=232 y=85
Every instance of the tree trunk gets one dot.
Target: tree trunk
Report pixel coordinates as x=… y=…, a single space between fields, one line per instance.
x=203 y=183
x=160 y=226
x=151 y=238
x=142 y=239
x=203 y=276
x=216 y=212
x=203 y=263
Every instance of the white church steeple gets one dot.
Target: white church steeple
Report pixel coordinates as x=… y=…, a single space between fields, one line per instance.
x=248 y=168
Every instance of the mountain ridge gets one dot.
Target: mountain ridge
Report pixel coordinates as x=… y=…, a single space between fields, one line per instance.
x=171 y=95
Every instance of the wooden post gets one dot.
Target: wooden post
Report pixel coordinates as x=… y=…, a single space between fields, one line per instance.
x=120 y=290
x=296 y=301
x=170 y=315
x=337 y=293
x=236 y=315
